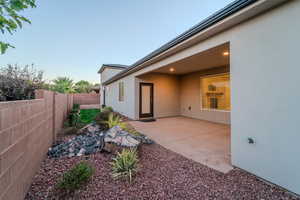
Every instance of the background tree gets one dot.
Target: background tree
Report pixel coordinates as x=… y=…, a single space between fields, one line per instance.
x=19 y=83
x=83 y=87
x=10 y=19
x=63 y=85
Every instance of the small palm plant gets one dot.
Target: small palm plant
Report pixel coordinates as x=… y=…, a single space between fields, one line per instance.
x=115 y=120
x=125 y=164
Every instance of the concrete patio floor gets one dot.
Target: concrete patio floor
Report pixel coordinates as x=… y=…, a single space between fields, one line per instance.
x=204 y=142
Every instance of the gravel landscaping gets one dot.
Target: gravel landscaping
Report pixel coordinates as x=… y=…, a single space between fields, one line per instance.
x=162 y=174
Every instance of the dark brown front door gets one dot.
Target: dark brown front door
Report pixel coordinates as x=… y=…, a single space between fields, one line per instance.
x=146 y=100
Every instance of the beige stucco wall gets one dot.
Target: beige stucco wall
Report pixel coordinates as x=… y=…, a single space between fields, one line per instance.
x=108 y=73
x=126 y=107
x=264 y=80
x=190 y=96
x=166 y=93
x=265 y=75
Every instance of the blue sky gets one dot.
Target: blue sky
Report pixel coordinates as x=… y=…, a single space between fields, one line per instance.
x=74 y=38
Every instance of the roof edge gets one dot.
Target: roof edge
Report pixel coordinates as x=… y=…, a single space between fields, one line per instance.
x=116 y=66
x=221 y=14
x=224 y=13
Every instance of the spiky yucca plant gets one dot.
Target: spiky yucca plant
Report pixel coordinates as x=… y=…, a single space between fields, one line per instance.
x=115 y=120
x=125 y=164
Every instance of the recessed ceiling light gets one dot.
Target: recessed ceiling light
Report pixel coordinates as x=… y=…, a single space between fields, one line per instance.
x=226 y=53
x=172 y=69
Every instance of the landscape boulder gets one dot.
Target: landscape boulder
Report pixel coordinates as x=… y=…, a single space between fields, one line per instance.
x=93 y=139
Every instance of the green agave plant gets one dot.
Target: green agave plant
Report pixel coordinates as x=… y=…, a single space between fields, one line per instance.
x=125 y=164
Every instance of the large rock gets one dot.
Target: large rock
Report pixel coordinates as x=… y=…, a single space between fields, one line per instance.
x=90 y=142
x=119 y=137
x=94 y=140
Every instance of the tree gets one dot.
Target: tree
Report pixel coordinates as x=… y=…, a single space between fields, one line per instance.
x=83 y=87
x=63 y=85
x=10 y=19
x=19 y=83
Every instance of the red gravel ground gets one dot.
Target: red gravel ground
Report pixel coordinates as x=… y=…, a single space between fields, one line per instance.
x=162 y=174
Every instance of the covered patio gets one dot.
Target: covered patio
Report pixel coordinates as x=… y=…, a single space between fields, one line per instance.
x=202 y=141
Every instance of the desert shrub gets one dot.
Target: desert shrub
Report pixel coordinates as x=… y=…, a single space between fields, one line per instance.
x=115 y=120
x=76 y=177
x=108 y=108
x=19 y=83
x=74 y=117
x=101 y=118
x=125 y=164
x=76 y=106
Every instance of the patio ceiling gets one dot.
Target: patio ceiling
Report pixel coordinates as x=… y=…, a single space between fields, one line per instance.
x=210 y=58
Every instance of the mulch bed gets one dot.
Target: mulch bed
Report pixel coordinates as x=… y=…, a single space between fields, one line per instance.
x=162 y=174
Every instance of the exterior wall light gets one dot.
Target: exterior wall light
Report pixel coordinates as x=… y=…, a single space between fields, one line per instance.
x=251 y=140
x=172 y=69
x=226 y=53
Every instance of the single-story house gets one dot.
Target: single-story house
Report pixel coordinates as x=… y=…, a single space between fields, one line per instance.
x=238 y=67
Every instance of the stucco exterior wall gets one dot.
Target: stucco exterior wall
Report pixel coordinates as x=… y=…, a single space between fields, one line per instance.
x=190 y=96
x=264 y=84
x=166 y=93
x=265 y=75
x=126 y=107
x=108 y=73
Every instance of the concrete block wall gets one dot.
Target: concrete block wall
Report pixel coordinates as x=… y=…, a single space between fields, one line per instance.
x=86 y=98
x=27 y=130
x=61 y=110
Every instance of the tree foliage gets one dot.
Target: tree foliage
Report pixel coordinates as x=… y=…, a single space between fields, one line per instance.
x=19 y=83
x=10 y=19
x=63 y=85
x=67 y=85
x=83 y=87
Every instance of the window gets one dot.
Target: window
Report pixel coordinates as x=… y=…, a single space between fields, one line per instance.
x=121 y=91
x=215 y=92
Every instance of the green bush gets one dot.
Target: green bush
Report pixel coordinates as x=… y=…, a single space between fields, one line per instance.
x=125 y=164
x=76 y=177
x=74 y=117
x=76 y=106
x=101 y=119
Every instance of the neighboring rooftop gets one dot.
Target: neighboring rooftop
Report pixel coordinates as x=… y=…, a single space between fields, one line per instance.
x=117 y=66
